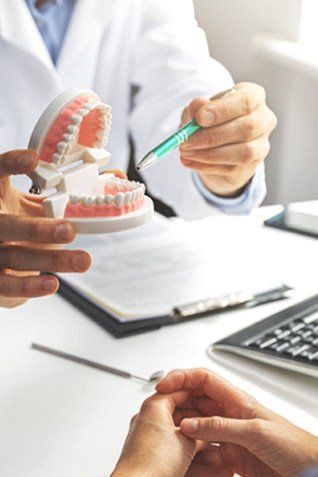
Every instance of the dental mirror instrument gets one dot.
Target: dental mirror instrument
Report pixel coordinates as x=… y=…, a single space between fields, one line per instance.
x=102 y=367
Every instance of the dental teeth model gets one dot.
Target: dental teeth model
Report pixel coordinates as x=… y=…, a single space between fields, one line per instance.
x=70 y=139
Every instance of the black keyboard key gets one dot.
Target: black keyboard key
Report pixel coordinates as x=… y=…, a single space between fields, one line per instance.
x=314 y=357
x=300 y=350
x=311 y=318
x=297 y=327
x=294 y=340
x=282 y=347
x=269 y=342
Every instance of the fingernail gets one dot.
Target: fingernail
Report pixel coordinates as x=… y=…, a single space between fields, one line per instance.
x=207 y=117
x=64 y=232
x=49 y=284
x=81 y=262
x=188 y=153
x=190 y=425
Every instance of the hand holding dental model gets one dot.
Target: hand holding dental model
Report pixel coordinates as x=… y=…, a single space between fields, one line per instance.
x=172 y=434
x=70 y=139
x=29 y=241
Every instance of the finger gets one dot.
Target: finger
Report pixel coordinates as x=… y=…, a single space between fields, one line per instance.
x=213 y=386
x=179 y=415
x=234 y=154
x=118 y=173
x=167 y=402
x=220 y=429
x=27 y=287
x=245 y=98
x=43 y=260
x=243 y=129
x=18 y=162
x=15 y=228
x=201 y=404
x=212 y=169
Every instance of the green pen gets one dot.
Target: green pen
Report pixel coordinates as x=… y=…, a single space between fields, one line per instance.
x=175 y=141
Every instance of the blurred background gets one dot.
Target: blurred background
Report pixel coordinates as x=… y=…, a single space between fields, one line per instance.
x=275 y=43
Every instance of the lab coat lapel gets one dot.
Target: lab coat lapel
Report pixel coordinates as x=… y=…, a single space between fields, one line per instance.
x=81 y=44
x=18 y=28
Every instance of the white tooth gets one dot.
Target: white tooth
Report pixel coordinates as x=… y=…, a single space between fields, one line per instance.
x=56 y=158
x=90 y=106
x=108 y=199
x=68 y=137
x=119 y=199
x=99 y=200
x=143 y=188
x=134 y=195
x=83 y=111
x=76 y=119
x=100 y=134
x=128 y=197
x=72 y=129
x=75 y=198
x=61 y=147
x=88 y=201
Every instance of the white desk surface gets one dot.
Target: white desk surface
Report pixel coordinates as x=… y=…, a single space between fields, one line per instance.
x=60 y=419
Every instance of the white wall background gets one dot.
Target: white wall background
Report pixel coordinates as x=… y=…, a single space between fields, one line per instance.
x=232 y=27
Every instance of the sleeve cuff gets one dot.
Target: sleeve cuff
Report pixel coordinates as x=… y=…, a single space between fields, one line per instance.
x=251 y=197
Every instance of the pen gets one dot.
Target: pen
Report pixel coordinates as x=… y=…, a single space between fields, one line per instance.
x=174 y=141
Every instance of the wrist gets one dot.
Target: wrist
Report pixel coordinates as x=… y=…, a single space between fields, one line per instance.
x=222 y=189
x=134 y=469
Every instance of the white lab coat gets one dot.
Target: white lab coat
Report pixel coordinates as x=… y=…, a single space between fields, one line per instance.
x=113 y=47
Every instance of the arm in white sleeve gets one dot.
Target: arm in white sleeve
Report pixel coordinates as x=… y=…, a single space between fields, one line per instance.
x=171 y=67
x=252 y=196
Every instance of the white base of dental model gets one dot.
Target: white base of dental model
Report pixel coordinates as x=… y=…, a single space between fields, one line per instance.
x=69 y=138
x=115 y=224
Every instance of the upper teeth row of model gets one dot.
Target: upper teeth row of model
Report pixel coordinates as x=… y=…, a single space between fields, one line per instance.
x=64 y=146
x=120 y=199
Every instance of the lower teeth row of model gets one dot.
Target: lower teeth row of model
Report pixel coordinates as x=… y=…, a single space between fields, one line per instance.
x=119 y=199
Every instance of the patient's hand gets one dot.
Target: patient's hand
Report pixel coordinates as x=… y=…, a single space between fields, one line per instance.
x=254 y=440
x=155 y=446
x=29 y=241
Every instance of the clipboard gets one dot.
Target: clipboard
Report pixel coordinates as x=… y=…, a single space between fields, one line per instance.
x=180 y=314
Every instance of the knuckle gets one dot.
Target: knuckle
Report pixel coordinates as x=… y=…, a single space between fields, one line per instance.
x=133 y=420
x=216 y=423
x=248 y=127
x=250 y=407
x=250 y=153
x=214 y=136
x=273 y=120
x=148 y=405
x=247 y=102
x=259 y=428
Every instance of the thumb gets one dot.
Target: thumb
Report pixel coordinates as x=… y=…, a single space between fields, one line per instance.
x=219 y=429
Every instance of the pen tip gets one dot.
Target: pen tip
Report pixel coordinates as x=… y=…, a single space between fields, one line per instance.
x=147 y=161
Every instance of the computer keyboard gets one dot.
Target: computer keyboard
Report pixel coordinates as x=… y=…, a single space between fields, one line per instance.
x=288 y=339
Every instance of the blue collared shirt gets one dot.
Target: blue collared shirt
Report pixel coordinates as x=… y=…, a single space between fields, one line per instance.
x=52 y=20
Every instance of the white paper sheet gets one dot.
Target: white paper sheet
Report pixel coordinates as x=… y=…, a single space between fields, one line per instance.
x=146 y=272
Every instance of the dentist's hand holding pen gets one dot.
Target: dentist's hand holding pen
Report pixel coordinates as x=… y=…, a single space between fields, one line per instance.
x=233 y=141
x=29 y=242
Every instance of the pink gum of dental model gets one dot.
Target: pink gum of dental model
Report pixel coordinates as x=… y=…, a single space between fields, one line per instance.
x=75 y=127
